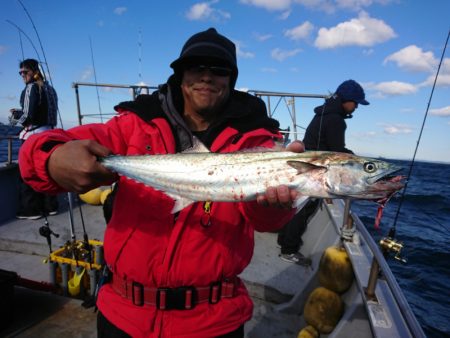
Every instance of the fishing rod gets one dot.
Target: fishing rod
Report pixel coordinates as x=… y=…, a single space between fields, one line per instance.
x=25 y=34
x=140 y=55
x=402 y=197
x=95 y=77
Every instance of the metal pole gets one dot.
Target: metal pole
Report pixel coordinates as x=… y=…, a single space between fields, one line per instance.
x=77 y=95
x=294 y=118
x=373 y=278
x=348 y=221
x=9 y=150
x=72 y=228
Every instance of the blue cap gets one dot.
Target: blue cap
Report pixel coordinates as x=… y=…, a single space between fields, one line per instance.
x=351 y=90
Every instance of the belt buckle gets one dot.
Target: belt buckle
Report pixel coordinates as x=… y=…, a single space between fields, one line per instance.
x=215 y=292
x=141 y=293
x=181 y=298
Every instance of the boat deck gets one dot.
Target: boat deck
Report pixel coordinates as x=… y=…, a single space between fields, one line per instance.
x=270 y=281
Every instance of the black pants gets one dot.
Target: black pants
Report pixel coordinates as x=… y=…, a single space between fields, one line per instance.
x=32 y=202
x=106 y=329
x=290 y=236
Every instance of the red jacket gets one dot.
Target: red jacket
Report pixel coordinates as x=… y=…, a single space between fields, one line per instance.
x=144 y=242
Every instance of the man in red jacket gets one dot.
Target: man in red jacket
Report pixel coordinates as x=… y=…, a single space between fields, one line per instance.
x=173 y=275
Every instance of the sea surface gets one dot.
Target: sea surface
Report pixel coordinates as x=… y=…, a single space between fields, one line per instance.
x=423 y=226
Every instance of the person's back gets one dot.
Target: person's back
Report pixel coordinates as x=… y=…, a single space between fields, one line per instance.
x=326 y=130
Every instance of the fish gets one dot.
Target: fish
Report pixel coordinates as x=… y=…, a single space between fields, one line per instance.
x=200 y=175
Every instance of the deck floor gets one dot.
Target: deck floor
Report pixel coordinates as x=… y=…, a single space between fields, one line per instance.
x=268 y=279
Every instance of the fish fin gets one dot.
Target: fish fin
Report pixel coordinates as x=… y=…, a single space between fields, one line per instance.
x=197 y=147
x=180 y=202
x=300 y=202
x=304 y=167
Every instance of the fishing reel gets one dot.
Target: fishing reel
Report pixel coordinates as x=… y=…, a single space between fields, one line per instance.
x=389 y=244
x=77 y=250
x=46 y=232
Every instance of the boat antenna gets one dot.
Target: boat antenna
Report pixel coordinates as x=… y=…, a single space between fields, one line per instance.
x=95 y=78
x=43 y=53
x=402 y=197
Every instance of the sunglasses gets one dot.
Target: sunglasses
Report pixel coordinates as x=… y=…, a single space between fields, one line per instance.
x=24 y=72
x=215 y=70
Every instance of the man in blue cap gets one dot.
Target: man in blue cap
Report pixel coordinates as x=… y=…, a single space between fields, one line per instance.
x=325 y=132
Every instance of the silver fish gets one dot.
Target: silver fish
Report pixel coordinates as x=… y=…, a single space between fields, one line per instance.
x=199 y=175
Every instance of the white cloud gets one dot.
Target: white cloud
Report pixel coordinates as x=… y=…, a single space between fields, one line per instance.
x=444 y=111
x=414 y=59
x=120 y=10
x=240 y=51
x=205 y=11
x=330 y=6
x=3 y=49
x=393 y=129
x=280 y=55
x=263 y=37
x=270 y=5
x=87 y=74
x=300 y=32
x=443 y=79
x=393 y=88
x=362 y=31
x=321 y=5
x=285 y=15
x=100 y=23
x=353 y=4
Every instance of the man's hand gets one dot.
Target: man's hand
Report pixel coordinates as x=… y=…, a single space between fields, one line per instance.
x=281 y=196
x=74 y=166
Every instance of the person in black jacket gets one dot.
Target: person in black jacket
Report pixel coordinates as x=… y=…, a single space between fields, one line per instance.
x=325 y=132
x=39 y=105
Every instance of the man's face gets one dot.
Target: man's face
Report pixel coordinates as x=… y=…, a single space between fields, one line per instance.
x=349 y=106
x=205 y=88
x=27 y=74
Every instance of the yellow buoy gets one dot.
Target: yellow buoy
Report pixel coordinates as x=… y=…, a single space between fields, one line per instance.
x=335 y=270
x=323 y=309
x=308 y=332
x=92 y=196
x=104 y=195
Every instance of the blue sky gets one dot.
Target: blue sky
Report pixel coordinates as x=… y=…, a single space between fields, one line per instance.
x=391 y=47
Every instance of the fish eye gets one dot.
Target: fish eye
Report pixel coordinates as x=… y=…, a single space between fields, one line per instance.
x=370 y=167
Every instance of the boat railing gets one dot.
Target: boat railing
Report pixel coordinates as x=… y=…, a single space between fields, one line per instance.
x=135 y=91
x=10 y=151
x=272 y=100
x=380 y=268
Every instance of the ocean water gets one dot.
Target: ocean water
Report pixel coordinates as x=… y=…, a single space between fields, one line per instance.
x=6 y=131
x=423 y=226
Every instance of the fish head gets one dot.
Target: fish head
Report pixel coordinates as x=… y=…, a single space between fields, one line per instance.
x=362 y=177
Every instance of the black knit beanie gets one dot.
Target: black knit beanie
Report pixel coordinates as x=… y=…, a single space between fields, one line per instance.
x=208 y=45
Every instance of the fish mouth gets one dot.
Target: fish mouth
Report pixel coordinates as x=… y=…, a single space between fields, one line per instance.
x=386 y=176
